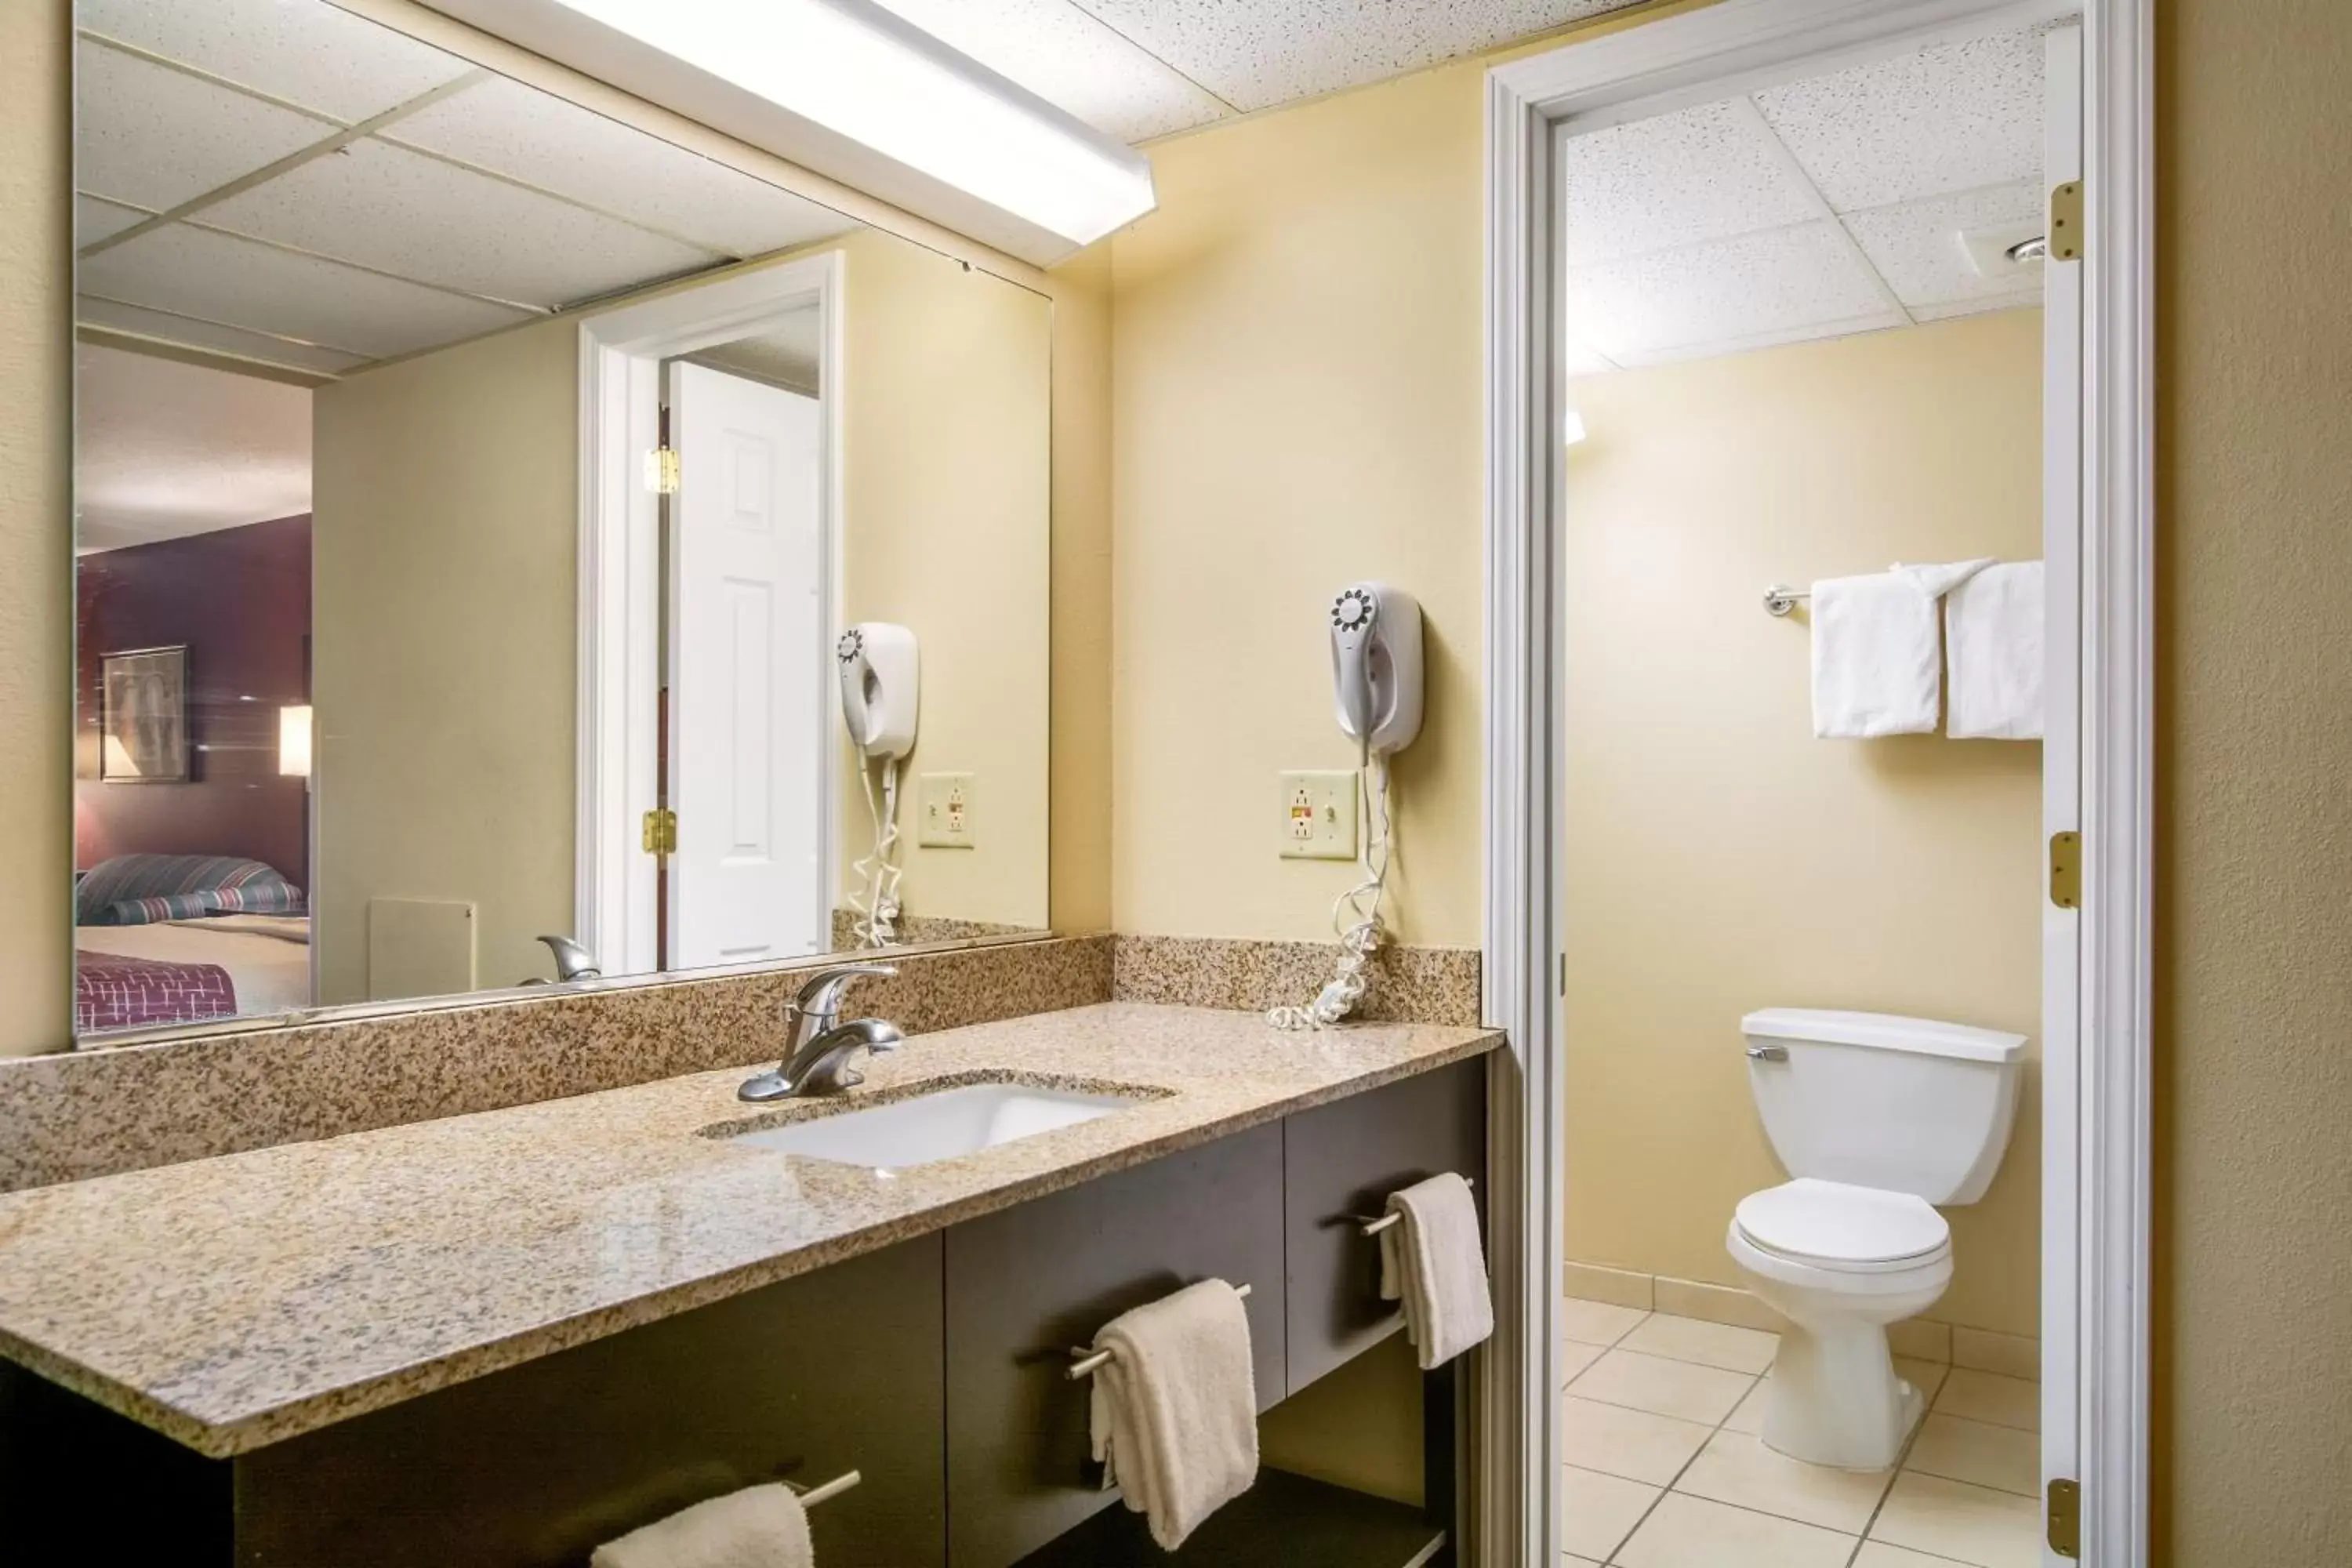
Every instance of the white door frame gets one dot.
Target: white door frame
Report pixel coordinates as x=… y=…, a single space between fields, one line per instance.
x=1525 y=741
x=621 y=355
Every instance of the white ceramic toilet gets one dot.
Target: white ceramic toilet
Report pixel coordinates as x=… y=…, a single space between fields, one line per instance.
x=1877 y=1117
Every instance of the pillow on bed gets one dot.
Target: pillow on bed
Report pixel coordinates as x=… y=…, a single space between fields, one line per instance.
x=148 y=912
x=274 y=897
x=137 y=889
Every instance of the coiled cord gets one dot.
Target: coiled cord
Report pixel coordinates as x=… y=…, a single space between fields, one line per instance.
x=873 y=903
x=1356 y=921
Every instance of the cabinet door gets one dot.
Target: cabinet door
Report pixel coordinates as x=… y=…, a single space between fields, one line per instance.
x=1343 y=1160
x=536 y=1466
x=1026 y=1285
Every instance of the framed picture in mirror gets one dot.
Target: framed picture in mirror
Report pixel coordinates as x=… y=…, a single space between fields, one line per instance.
x=145 y=717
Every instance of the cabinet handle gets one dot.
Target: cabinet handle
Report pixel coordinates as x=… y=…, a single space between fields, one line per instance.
x=1090 y=1362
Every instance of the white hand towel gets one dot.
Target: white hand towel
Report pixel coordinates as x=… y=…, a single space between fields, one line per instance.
x=1878 y=667
x=1432 y=1261
x=1174 y=1410
x=1993 y=639
x=760 y=1527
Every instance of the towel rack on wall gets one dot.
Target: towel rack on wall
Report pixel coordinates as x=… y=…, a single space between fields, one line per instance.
x=1090 y=1362
x=814 y=1495
x=1779 y=599
x=1372 y=1225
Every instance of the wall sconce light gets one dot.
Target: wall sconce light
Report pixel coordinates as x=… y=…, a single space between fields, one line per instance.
x=294 y=742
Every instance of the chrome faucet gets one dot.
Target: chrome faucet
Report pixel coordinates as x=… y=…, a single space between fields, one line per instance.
x=823 y=1046
x=572 y=962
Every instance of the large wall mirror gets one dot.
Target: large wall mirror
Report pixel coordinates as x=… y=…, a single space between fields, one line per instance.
x=513 y=547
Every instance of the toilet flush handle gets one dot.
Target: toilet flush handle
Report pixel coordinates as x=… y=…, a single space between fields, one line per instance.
x=1768 y=1052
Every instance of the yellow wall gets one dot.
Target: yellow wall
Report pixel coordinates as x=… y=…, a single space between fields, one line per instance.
x=1080 y=792
x=1719 y=858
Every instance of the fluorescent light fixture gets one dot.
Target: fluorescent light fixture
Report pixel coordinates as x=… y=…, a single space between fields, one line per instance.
x=847 y=71
x=1571 y=427
x=294 y=742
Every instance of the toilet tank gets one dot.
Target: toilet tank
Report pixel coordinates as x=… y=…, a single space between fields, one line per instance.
x=1876 y=1100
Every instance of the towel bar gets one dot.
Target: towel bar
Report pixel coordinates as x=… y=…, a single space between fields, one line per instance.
x=814 y=1495
x=1779 y=599
x=1369 y=1225
x=1089 y=1361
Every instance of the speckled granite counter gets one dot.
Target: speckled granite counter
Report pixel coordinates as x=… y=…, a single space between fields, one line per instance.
x=235 y=1301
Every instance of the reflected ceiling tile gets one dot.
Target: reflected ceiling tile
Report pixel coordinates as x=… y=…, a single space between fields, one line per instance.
x=1069 y=60
x=1940 y=119
x=1722 y=292
x=170 y=329
x=304 y=50
x=406 y=213
x=164 y=449
x=1916 y=245
x=96 y=218
x=195 y=272
x=2029 y=299
x=1255 y=54
x=557 y=146
x=149 y=134
x=1674 y=179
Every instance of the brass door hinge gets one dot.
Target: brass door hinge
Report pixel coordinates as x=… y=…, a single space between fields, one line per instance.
x=2066 y=222
x=660 y=836
x=2066 y=870
x=661 y=471
x=2066 y=1519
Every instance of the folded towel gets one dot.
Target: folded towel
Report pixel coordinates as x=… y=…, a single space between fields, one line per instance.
x=1431 y=1260
x=1878 y=667
x=1993 y=639
x=760 y=1527
x=1175 y=1408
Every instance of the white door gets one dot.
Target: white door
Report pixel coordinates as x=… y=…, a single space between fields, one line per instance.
x=747 y=673
x=2061 y=965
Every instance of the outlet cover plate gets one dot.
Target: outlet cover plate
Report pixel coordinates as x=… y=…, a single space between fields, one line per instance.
x=1319 y=815
x=945 y=817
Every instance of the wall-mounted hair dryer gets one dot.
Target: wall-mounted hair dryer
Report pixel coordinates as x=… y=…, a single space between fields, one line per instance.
x=880 y=694
x=1376 y=666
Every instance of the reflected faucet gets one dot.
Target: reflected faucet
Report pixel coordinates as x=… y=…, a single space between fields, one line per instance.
x=572 y=962
x=822 y=1047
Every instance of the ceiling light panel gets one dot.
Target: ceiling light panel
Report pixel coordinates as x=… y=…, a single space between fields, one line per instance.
x=1674 y=179
x=1070 y=58
x=157 y=137
x=540 y=139
x=1256 y=54
x=421 y=217
x=185 y=330
x=303 y=50
x=1952 y=118
x=194 y=272
x=1916 y=248
x=1756 y=285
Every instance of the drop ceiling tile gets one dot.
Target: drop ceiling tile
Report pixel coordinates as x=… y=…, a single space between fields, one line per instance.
x=303 y=50
x=1674 y=179
x=197 y=272
x=420 y=218
x=147 y=134
x=540 y=139
x=167 y=327
x=2024 y=299
x=95 y=218
x=1255 y=54
x=1070 y=59
x=1725 y=291
x=1945 y=118
x=1916 y=245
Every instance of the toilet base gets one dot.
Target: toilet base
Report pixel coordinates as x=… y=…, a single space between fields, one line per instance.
x=1833 y=1398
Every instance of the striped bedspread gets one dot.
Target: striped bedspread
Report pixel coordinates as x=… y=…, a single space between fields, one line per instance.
x=112 y=992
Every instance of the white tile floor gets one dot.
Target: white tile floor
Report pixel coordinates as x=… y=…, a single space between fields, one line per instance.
x=1664 y=1469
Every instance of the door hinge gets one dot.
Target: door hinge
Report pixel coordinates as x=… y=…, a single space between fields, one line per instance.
x=660 y=835
x=2066 y=222
x=661 y=470
x=2066 y=1519
x=2066 y=870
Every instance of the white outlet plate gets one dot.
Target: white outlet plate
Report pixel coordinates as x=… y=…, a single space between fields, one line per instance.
x=945 y=815
x=1319 y=815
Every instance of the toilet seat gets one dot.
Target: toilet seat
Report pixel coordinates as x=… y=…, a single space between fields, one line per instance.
x=1837 y=1228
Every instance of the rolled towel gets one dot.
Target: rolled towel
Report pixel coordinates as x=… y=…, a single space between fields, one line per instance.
x=1878 y=666
x=760 y=1527
x=1431 y=1260
x=1993 y=639
x=1174 y=1410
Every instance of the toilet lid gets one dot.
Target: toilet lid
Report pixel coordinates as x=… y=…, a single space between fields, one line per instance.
x=1836 y=1223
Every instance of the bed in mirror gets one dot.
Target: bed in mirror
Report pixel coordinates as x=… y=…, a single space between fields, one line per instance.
x=515 y=548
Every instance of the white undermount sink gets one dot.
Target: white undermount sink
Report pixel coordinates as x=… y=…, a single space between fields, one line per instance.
x=940 y=1125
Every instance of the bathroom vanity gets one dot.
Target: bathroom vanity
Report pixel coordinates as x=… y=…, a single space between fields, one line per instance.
x=502 y=1339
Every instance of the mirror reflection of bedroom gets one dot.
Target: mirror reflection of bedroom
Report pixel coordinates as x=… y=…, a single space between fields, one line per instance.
x=192 y=838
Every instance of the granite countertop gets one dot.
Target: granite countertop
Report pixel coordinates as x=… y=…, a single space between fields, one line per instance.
x=234 y=1302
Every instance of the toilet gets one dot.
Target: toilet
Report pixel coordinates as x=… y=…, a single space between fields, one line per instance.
x=1878 y=1119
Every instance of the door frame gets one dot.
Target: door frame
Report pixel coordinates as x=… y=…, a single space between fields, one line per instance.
x=619 y=737
x=1528 y=601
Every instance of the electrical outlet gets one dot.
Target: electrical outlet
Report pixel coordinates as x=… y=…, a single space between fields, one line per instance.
x=1318 y=816
x=946 y=818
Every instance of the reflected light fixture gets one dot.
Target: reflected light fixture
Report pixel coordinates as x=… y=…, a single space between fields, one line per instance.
x=852 y=91
x=294 y=742
x=1571 y=429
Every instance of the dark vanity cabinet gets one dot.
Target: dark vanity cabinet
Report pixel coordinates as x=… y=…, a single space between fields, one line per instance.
x=935 y=1368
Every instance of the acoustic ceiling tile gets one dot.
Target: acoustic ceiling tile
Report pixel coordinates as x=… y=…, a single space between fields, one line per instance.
x=1070 y=59
x=1949 y=118
x=420 y=218
x=1979 y=304
x=156 y=137
x=1778 y=281
x=166 y=327
x=96 y=218
x=1674 y=179
x=543 y=141
x=237 y=282
x=306 y=51
x=1916 y=245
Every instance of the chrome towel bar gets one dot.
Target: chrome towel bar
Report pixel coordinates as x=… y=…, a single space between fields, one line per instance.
x=1372 y=1225
x=1090 y=1362
x=1779 y=599
x=831 y=1489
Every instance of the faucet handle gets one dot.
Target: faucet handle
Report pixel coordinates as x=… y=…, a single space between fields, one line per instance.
x=820 y=994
